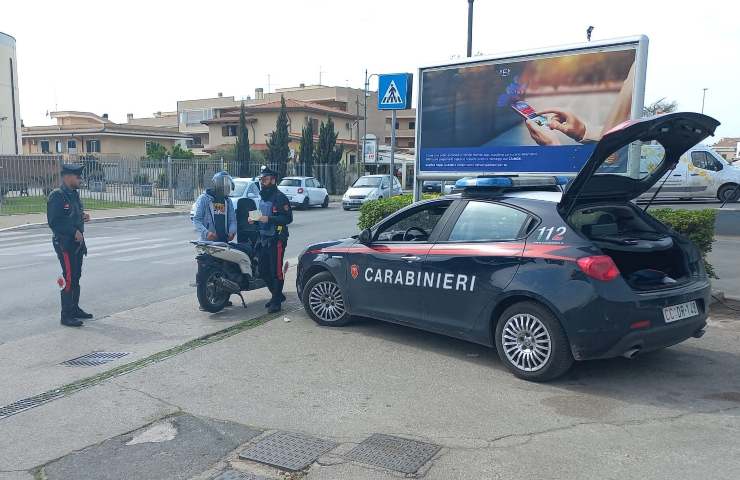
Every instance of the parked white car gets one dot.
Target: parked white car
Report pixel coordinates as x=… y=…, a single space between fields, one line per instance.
x=304 y=192
x=700 y=173
x=369 y=187
x=243 y=188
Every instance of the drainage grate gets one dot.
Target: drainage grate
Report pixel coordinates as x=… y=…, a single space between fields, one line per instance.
x=94 y=359
x=237 y=475
x=291 y=451
x=393 y=453
x=30 y=402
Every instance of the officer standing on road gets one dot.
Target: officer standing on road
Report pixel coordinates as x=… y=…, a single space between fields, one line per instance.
x=66 y=218
x=276 y=215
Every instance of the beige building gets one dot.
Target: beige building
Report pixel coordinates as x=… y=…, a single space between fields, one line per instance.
x=77 y=133
x=405 y=128
x=158 y=119
x=261 y=120
x=191 y=114
x=728 y=148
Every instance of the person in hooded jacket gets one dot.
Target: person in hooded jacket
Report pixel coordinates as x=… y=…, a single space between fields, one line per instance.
x=276 y=214
x=215 y=217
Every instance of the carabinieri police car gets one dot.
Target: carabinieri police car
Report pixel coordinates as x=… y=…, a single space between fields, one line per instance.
x=545 y=276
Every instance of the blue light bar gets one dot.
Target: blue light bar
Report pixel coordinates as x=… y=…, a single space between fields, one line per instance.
x=504 y=181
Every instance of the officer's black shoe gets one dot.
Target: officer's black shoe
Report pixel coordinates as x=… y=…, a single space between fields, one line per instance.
x=274 y=308
x=268 y=304
x=80 y=313
x=72 y=322
x=228 y=303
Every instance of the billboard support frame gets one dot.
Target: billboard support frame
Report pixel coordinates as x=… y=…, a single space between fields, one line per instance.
x=638 y=96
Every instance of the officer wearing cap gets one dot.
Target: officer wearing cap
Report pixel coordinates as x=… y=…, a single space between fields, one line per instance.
x=276 y=214
x=66 y=218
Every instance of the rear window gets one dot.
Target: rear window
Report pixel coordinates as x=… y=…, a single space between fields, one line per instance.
x=290 y=182
x=239 y=188
x=651 y=156
x=485 y=221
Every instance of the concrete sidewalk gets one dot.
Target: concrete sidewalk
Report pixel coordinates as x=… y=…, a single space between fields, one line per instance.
x=672 y=414
x=31 y=220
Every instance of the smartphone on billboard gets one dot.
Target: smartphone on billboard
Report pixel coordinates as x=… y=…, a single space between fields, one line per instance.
x=525 y=110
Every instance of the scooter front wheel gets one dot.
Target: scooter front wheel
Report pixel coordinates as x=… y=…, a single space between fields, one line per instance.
x=211 y=297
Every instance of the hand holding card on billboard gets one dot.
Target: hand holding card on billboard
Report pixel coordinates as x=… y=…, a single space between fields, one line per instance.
x=539 y=134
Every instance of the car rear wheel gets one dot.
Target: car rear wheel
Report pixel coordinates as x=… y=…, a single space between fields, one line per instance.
x=728 y=193
x=306 y=203
x=324 y=301
x=326 y=202
x=531 y=342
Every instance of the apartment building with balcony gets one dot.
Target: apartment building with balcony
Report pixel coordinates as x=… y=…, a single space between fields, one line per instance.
x=405 y=128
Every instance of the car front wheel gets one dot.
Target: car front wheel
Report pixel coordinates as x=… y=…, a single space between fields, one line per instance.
x=531 y=342
x=728 y=193
x=324 y=301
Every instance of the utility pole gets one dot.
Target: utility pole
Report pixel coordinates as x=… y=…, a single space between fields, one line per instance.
x=703 y=97
x=357 y=114
x=364 y=123
x=470 y=28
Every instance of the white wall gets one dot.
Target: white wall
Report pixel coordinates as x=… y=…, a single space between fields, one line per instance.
x=10 y=123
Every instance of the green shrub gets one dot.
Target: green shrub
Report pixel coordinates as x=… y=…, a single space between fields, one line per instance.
x=697 y=225
x=376 y=210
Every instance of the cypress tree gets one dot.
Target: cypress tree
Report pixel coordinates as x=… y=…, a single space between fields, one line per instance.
x=278 y=149
x=242 y=145
x=307 y=150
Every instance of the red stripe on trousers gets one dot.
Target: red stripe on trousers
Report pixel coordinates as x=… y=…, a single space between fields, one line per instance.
x=280 y=259
x=67 y=272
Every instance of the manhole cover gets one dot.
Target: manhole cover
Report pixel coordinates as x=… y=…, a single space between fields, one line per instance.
x=237 y=475
x=94 y=359
x=393 y=453
x=291 y=451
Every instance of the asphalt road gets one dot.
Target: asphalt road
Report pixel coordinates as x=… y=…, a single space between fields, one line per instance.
x=130 y=263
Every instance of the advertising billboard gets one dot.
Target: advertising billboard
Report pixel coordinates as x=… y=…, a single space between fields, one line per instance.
x=370 y=151
x=532 y=112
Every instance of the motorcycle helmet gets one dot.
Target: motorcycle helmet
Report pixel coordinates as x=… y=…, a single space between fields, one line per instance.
x=222 y=183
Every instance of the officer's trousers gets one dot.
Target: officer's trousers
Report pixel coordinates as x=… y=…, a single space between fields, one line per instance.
x=69 y=282
x=271 y=258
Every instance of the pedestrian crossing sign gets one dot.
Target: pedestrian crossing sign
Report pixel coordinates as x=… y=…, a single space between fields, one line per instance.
x=394 y=91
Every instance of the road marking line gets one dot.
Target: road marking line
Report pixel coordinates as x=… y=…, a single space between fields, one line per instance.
x=26 y=265
x=20 y=236
x=136 y=249
x=179 y=257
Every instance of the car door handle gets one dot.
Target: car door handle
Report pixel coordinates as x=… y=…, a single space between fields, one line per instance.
x=694 y=174
x=678 y=174
x=410 y=258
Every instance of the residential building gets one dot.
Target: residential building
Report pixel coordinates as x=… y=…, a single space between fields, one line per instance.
x=77 y=133
x=190 y=114
x=261 y=119
x=10 y=111
x=728 y=148
x=405 y=128
x=158 y=119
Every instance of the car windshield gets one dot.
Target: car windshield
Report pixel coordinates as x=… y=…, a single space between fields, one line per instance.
x=239 y=188
x=367 y=182
x=290 y=182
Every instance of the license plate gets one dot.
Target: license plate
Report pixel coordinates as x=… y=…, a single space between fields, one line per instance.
x=680 y=311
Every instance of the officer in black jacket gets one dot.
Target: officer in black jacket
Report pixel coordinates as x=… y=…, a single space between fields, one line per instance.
x=276 y=214
x=66 y=218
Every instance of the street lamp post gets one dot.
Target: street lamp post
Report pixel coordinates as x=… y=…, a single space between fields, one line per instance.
x=364 y=136
x=703 y=97
x=470 y=28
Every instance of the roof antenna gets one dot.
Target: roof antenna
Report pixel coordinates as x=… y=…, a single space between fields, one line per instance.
x=589 y=30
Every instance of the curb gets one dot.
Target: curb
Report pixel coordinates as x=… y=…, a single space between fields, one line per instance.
x=30 y=226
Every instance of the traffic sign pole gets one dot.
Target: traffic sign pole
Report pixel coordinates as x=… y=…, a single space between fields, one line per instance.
x=393 y=149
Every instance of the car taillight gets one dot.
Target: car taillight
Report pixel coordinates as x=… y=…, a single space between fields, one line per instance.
x=600 y=267
x=300 y=189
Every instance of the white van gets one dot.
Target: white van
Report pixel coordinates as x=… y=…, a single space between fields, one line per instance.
x=700 y=173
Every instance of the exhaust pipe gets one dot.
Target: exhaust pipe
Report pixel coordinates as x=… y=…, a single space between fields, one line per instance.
x=228 y=285
x=631 y=353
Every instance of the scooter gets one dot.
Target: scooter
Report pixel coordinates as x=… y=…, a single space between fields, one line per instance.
x=226 y=269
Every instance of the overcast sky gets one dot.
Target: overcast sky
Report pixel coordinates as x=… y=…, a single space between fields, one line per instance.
x=138 y=56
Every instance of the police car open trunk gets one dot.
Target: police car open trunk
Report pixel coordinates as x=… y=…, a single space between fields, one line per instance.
x=598 y=202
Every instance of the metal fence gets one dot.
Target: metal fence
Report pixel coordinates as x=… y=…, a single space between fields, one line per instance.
x=117 y=181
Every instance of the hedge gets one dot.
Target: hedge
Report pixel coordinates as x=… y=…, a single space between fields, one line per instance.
x=697 y=225
x=376 y=210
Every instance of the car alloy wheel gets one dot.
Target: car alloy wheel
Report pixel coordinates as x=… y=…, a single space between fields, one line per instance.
x=326 y=301
x=526 y=342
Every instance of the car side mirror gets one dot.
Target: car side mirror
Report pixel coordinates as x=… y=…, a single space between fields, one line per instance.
x=365 y=237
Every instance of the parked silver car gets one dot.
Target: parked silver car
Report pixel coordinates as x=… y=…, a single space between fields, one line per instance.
x=370 y=187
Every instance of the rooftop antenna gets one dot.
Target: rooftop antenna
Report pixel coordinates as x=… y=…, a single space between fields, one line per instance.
x=589 y=31
x=268 y=83
x=320 y=73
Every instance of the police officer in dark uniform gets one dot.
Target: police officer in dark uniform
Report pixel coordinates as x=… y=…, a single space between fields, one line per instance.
x=66 y=218
x=276 y=214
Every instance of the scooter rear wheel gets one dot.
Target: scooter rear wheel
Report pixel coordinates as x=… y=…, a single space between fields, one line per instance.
x=210 y=296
